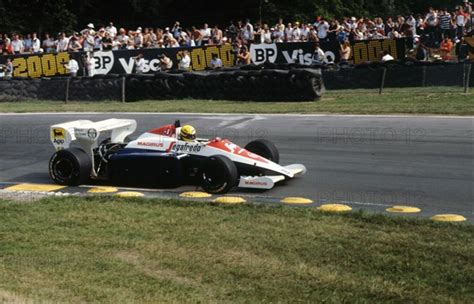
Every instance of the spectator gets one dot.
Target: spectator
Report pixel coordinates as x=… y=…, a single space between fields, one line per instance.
x=461 y=21
x=249 y=29
x=185 y=62
x=107 y=42
x=17 y=44
x=138 y=38
x=28 y=44
x=216 y=62
x=176 y=30
x=166 y=63
x=232 y=31
x=48 y=43
x=289 y=33
x=206 y=34
x=140 y=64
x=386 y=57
x=446 y=49
x=265 y=34
x=72 y=67
x=196 y=36
x=122 y=39
x=244 y=56
x=74 y=43
x=170 y=42
x=319 y=57
x=35 y=44
x=89 y=28
x=345 y=52
x=62 y=43
x=8 y=68
x=112 y=30
x=445 y=23
x=421 y=52
x=295 y=32
x=90 y=64
x=247 y=32
x=8 y=49
x=323 y=28
x=216 y=35
x=88 y=41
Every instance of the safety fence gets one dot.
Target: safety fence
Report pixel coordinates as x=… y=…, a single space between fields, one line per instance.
x=400 y=75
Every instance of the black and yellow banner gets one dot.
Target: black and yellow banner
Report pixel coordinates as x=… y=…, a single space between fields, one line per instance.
x=122 y=61
x=43 y=65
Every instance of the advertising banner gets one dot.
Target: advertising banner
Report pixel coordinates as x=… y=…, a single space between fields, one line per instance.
x=361 y=51
x=122 y=61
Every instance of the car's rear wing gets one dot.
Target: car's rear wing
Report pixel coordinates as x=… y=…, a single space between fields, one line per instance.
x=87 y=132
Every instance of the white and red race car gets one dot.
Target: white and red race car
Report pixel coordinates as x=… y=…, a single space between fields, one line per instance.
x=158 y=158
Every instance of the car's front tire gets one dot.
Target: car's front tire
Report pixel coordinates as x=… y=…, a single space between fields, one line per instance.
x=265 y=149
x=219 y=175
x=70 y=167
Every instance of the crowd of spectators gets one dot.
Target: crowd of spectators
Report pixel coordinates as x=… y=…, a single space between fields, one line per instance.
x=437 y=28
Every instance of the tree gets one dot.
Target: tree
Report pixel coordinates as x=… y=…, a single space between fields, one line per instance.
x=66 y=15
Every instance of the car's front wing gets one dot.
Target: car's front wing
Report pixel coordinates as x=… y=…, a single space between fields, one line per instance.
x=269 y=181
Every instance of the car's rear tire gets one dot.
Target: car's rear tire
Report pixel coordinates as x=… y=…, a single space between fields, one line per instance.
x=265 y=149
x=70 y=167
x=219 y=175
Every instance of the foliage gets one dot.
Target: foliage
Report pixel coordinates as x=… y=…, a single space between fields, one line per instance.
x=56 y=15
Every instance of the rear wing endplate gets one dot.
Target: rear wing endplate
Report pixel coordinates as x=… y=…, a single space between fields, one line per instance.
x=87 y=132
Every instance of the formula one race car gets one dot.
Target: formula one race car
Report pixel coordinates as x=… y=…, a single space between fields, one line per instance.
x=160 y=158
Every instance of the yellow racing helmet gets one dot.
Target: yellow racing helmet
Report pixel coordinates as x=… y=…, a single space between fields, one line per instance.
x=187 y=133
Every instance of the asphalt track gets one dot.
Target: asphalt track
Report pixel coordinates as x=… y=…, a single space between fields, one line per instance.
x=370 y=162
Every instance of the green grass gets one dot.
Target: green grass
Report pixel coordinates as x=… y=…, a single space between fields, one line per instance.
x=119 y=251
x=432 y=100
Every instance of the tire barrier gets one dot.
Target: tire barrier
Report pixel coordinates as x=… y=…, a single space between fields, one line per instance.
x=252 y=83
x=268 y=82
x=399 y=74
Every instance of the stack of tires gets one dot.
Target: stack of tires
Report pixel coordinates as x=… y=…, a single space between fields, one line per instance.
x=249 y=83
x=230 y=84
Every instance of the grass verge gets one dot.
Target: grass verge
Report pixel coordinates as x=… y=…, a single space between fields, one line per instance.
x=432 y=100
x=103 y=249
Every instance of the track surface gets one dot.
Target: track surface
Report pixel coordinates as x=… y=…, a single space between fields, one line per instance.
x=371 y=161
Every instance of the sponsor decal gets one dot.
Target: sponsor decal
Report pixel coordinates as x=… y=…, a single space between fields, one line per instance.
x=371 y=50
x=261 y=53
x=104 y=62
x=58 y=135
x=92 y=133
x=45 y=65
x=255 y=183
x=186 y=148
x=150 y=65
x=230 y=147
x=150 y=144
x=201 y=56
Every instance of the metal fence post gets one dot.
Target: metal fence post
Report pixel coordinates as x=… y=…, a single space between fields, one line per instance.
x=123 y=89
x=468 y=79
x=68 y=82
x=423 y=76
x=382 y=84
